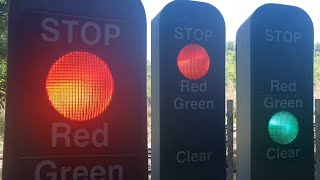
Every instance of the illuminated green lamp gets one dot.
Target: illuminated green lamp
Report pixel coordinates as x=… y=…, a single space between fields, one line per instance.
x=283 y=127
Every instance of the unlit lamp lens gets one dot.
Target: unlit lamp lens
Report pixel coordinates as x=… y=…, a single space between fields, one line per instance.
x=283 y=127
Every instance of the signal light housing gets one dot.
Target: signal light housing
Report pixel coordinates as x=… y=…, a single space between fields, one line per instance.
x=188 y=92
x=275 y=94
x=76 y=90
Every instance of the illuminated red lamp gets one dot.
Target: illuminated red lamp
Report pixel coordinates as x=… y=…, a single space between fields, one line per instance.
x=80 y=86
x=193 y=61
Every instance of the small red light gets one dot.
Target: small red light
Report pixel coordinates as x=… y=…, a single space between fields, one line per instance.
x=80 y=86
x=193 y=61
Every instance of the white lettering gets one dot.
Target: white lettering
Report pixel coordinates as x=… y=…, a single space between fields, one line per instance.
x=80 y=172
x=84 y=33
x=274 y=102
x=277 y=153
x=268 y=34
x=78 y=138
x=48 y=169
x=97 y=172
x=282 y=36
x=190 y=33
x=282 y=86
x=103 y=133
x=91 y=33
x=198 y=34
x=70 y=24
x=41 y=166
x=64 y=172
x=183 y=157
x=114 y=171
x=62 y=131
x=208 y=34
x=178 y=33
x=81 y=138
x=182 y=104
x=54 y=32
x=112 y=31
x=187 y=86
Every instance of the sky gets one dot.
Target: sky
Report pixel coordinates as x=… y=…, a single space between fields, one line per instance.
x=235 y=12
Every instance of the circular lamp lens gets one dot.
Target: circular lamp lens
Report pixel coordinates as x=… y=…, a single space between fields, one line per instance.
x=80 y=86
x=193 y=62
x=283 y=127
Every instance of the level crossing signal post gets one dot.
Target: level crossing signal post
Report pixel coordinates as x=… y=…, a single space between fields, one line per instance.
x=188 y=92
x=275 y=95
x=76 y=101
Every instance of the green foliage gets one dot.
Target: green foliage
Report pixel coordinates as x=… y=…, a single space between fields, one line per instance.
x=3 y=62
x=3 y=28
x=3 y=47
x=230 y=46
x=230 y=64
x=317 y=65
x=3 y=79
x=317 y=48
x=2 y=125
x=148 y=79
x=149 y=100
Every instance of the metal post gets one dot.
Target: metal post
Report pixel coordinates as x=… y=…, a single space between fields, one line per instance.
x=230 y=139
x=317 y=139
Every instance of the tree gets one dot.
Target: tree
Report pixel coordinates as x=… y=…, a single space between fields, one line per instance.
x=230 y=46
x=3 y=61
x=149 y=81
x=3 y=28
x=317 y=48
x=230 y=64
x=317 y=64
x=3 y=47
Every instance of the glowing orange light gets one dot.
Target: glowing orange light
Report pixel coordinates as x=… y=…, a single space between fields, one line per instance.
x=80 y=86
x=193 y=61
